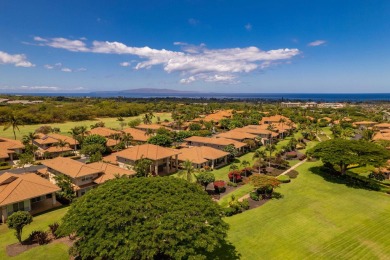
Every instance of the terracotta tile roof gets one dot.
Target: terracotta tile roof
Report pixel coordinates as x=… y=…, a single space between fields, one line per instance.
x=365 y=123
x=53 y=138
x=236 y=135
x=70 y=167
x=383 y=125
x=149 y=151
x=382 y=136
x=216 y=117
x=7 y=147
x=152 y=127
x=103 y=131
x=200 y=154
x=327 y=119
x=254 y=129
x=111 y=142
x=215 y=141
x=110 y=158
x=138 y=135
x=275 y=119
x=109 y=171
x=10 y=144
x=18 y=187
x=55 y=149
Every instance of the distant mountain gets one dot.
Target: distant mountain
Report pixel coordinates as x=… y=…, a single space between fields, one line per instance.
x=149 y=91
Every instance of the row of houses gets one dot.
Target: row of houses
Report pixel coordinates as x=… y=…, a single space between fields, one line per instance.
x=35 y=191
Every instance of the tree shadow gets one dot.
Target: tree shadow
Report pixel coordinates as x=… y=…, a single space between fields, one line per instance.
x=348 y=179
x=226 y=251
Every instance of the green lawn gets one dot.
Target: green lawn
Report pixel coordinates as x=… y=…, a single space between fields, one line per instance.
x=316 y=219
x=110 y=122
x=40 y=222
x=327 y=131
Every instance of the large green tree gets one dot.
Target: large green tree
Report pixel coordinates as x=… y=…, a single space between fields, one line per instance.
x=161 y=140
x=145 y=218
x=342 y=153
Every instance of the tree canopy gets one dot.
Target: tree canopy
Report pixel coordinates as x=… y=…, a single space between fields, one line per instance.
x=145 y=218
x=161 y=140
x=17 y=221
x=341 y=153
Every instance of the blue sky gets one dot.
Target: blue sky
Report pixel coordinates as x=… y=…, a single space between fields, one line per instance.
x=220 y=46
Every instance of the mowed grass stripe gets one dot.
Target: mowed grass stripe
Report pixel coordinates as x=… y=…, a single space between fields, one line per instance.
x=316 y=219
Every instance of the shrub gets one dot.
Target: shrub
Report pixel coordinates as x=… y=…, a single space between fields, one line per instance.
x=68 y=154
x=232 y=184
x=291 y=155
x=3 y=164
x=5 y=167
x=253 y=195
x=284 y=178
x=302 y=157
x=53 y=228
x=219 y=186
x=39 y=237
x=377 y=176
x=235 y=176
x=229 y=211
x=292 y=174
x=245 y=204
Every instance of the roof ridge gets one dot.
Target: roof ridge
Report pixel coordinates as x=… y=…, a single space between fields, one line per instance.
x=10 y=191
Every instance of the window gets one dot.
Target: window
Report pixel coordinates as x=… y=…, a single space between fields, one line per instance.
x=49 y=196
x=18 y=206
x=87 y=178
x=37 y=199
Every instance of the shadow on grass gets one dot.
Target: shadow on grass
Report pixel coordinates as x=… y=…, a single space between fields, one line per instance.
x=349 y=179
x=226 y=251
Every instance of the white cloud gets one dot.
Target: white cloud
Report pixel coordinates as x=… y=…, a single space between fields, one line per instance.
x=18 y=60
x=194 y=62
x=187 y=80
x=39 y=88
x=316 y=43
x=248 y=27
x=26 y=88
x=66 y=70
x=125 y=64
x=62 y=43
x=59 y=66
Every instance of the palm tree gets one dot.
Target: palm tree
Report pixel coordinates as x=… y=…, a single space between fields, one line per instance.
x=282 y=121
x=75 y=133
x=29 y=138
x=14 y=122
x=62 y=144
x=233 y=167
x=245 y=164
x=116 y=137
x=127 y=138
x=188 y=170
x=83 y=131
x=270 y=148
x=259 y=155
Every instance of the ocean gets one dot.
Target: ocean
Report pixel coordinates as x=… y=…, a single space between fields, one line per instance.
x=320 y=97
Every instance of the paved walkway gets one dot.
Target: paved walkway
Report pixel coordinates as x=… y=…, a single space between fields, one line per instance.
x=283 y=173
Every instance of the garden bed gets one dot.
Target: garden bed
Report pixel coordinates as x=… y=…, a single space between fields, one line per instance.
x=16 y=248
